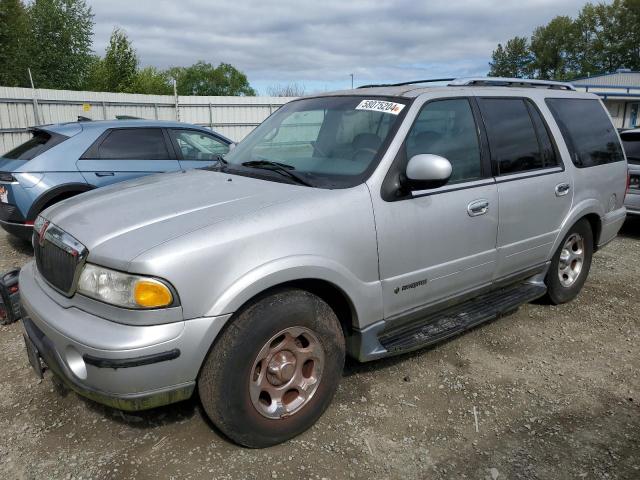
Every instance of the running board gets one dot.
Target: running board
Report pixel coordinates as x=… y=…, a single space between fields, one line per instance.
x=453 y=320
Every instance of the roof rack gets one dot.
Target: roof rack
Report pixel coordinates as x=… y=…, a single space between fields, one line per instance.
x=485 y=82
x=413 y=82
x=510 y=82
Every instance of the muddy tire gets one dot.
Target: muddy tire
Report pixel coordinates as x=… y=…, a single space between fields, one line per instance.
x=274 y=369
x=570 y=264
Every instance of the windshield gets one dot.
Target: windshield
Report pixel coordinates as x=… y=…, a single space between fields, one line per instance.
x=328 y=142
x=631 y=144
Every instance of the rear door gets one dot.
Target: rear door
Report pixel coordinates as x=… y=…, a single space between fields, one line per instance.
x=123 y=153
x=535 y=191
x=195 y=148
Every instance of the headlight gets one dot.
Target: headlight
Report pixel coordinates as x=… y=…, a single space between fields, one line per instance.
x=122 y=289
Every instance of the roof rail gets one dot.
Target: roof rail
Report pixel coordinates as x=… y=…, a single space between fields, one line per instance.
x=510 y=82
x=82 y=118
x=413 y=82
x=127 y=117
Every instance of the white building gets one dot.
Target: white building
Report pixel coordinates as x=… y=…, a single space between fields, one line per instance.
x=620 y=92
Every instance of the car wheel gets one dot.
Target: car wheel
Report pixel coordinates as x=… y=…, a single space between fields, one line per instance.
x=274 y=369
x=570 y=264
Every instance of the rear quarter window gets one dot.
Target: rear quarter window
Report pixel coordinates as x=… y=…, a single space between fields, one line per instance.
x=587 y=131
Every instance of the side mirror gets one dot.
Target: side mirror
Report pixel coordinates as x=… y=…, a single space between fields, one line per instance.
x=426 y=171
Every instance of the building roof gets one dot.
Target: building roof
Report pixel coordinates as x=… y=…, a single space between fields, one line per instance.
x=621 y=78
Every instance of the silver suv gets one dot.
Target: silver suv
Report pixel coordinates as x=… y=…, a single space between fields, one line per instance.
x=368 y=222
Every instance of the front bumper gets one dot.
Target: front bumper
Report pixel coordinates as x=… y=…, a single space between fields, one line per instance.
x=123 y=366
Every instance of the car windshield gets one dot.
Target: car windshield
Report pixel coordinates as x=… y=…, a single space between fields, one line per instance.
x=631 y=144
x=327 y=142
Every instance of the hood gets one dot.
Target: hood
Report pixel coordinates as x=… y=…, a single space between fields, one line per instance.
x=119 y=222
x=10 y=165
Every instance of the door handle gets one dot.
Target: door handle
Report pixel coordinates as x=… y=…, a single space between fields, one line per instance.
x=478 y=207
x=562 y=189
x=104 y=174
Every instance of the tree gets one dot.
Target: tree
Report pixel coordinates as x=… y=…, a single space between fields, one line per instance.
x=513 y=60
x=151 y=81
x=602 y=38
x=286 y=90
x=119 y=68
x=59 y=52
x=14 y=37
x=204 y=79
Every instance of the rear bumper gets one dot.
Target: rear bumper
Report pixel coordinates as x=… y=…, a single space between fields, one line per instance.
x=16 y=229
x=13 y=222
x=632 y=202
x=122 y=366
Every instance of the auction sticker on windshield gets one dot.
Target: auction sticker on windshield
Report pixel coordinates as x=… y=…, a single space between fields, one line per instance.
x=4 y=195
x=380 y=106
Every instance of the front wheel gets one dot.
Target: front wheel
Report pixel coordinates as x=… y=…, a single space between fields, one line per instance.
x=274 y=369
x=570 y=264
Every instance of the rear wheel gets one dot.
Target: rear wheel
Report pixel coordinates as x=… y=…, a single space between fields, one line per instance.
x=274 y=369
x=570 y=265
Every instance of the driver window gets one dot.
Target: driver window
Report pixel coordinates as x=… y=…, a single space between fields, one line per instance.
x=198 y=145
x=447 y=128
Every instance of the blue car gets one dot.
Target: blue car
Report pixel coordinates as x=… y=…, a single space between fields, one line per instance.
x=64 y=160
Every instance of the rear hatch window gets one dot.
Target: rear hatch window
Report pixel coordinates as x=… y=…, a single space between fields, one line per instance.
x=40 y=142
x=631 y=144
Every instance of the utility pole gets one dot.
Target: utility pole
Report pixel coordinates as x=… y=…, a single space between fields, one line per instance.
x=175 y=96
x=351 y=80
x=36 y=107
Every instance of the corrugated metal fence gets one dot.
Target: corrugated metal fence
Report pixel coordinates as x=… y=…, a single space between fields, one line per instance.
x=21 y=108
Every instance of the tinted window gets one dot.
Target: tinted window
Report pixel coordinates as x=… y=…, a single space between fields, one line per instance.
x=447 y=128
x=549 y=156
x=39 y=143
x=587 y=131
x=196 y=145
x=134 y=144
x=512 y=136
x=631 y=144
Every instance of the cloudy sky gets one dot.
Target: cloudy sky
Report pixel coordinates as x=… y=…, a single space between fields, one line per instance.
x=319 y=43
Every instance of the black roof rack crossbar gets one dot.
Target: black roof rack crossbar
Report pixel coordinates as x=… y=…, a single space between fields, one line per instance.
x=412 y=82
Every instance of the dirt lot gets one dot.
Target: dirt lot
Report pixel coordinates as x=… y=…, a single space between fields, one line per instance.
x=556 y=391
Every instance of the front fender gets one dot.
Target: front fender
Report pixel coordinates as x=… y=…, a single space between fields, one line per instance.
x=366 y=298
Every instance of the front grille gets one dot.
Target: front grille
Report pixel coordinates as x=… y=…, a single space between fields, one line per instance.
x=58 y=258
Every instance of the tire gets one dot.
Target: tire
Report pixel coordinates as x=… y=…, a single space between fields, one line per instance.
x=232 y=374
x=563 y=286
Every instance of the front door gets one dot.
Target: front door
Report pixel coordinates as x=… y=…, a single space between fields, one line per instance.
x=123 y=153
x=438 y=243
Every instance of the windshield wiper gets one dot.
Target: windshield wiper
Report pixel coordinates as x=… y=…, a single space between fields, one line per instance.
x=281 y=168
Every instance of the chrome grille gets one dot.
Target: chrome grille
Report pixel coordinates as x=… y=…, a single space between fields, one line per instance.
x=59 y=257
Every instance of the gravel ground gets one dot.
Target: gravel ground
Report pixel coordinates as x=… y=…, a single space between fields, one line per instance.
x=556 y=391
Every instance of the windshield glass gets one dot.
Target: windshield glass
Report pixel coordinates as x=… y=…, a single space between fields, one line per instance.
x=329 y=142
x=631 y=144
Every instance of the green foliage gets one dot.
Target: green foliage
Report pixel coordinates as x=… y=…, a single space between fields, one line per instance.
x=150 y=80
x=59 y=50
x=54 y=39
x=512 y=60
x=14 y=38
x=204 y=79
x=602 y=38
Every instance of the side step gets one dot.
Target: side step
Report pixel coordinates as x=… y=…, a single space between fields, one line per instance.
x=445 y=323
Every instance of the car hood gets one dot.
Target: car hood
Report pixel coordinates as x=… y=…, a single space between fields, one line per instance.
x=10 y=165
x=119 y=222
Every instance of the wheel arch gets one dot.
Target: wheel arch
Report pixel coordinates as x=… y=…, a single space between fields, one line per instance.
x=592 y=211
x=54 y=195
